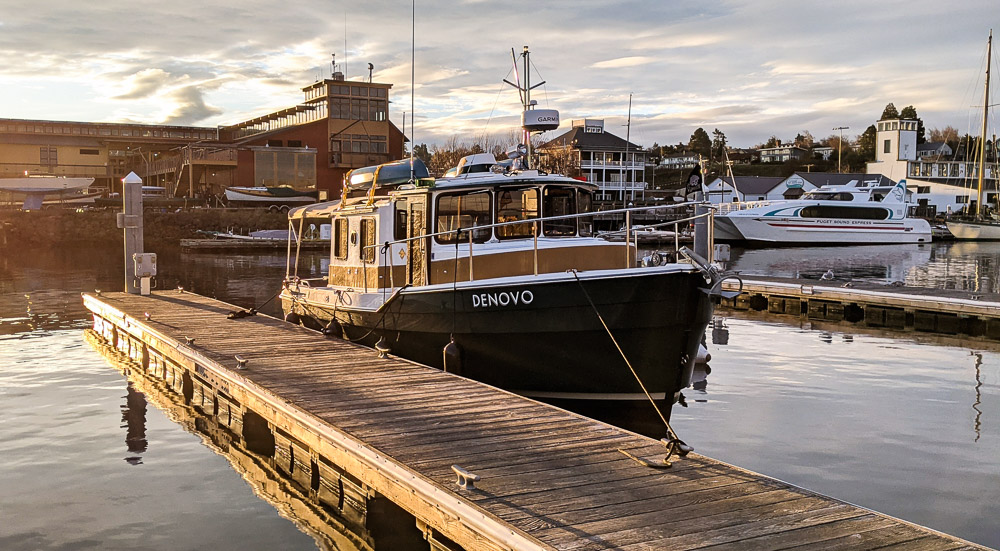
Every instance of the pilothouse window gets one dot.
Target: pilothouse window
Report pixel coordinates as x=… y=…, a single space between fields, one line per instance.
x=584 y=203
x=514 y=205
x=457 y=211
x=559 y=202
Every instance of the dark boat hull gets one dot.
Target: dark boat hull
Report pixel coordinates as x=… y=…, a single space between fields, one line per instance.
x=543 y=338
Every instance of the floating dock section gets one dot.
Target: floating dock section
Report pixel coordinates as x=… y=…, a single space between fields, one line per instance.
x=347 y=426
x=941 y=311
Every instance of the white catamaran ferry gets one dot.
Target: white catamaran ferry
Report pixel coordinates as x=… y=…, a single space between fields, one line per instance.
x=834 y=215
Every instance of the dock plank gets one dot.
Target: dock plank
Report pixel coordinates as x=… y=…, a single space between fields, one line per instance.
x=551 y=479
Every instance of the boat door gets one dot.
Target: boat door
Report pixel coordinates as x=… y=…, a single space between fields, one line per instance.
x=416 y=257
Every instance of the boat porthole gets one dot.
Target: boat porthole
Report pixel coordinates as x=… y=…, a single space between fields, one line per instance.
x=354 y=238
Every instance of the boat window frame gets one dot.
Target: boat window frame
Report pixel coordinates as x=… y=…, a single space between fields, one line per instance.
x=839 y=211
x=400 y=208
x=547 y=226
x=367 y=238
x=447 y=236
x=341 y=229
x=498 y=231
x=585 y=221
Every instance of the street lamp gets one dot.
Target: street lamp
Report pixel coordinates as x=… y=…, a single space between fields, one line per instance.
x=840 y=144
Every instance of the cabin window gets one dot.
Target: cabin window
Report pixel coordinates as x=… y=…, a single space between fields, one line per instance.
x=887 y=146
x=340 y=238
x=585 y=203
x=367 y=252
x=837 y=211
x=457 y=211
x=399 y=220
x=559 y=202
x=514 y=205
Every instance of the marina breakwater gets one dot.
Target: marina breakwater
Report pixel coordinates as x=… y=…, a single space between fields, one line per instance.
x=66 y=228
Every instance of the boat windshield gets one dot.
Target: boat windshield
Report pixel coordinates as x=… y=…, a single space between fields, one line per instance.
x=458 y=210
x=829 y=195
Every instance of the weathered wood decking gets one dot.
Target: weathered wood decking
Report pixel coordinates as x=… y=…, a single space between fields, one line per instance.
x=549 y=479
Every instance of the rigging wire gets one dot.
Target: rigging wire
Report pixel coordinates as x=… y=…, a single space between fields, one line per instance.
x=495 y=101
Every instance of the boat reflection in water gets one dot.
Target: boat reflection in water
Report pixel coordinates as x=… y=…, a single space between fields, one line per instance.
x=360 y=523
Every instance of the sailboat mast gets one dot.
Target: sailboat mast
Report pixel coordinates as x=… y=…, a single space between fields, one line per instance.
x=527 y=105
x=982 y=138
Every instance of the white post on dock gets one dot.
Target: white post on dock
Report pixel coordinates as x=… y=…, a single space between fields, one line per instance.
x=130 y=220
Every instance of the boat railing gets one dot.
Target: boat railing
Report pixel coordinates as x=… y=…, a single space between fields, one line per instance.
x=726 y=208
x=468 y=233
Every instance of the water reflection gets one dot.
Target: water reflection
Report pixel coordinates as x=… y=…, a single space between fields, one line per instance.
x=380 y=525
x=134 y=417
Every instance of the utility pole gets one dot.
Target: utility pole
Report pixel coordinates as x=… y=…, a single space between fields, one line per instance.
x=840 y=145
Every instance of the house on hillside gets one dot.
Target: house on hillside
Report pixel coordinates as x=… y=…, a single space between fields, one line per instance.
x=781 y=153
x=679 y=160
x=617 y=167
x=822 y=152
x=933 y=151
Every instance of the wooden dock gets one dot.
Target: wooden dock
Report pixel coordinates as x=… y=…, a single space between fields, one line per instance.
x=941 y=311
x=346 y=425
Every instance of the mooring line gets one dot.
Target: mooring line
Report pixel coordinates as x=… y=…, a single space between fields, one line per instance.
x=674 y=443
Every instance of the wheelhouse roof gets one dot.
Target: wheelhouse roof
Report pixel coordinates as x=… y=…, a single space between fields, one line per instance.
x=489 y=180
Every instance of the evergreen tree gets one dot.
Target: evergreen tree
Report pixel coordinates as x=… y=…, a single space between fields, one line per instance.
x=910 y=113
x=718 y=144
x=866 y=143
x=889 y=113
x=700 y=143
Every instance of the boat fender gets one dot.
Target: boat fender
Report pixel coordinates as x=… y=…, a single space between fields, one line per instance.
x=292 y=317
x=452 y=357
x=334 y=329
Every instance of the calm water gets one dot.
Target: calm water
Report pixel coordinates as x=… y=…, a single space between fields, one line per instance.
x=92 y=460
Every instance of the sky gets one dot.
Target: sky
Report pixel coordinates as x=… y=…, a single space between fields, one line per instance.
x=750 y=69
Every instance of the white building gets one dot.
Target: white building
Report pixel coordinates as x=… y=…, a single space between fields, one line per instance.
x=679 y=160
x=616 y=166
x=945 y=185
x=746 y=188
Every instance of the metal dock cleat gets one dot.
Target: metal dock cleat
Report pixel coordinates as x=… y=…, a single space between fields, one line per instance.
x=466 y=479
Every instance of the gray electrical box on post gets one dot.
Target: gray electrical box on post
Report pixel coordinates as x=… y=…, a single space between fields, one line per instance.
x=130 y=220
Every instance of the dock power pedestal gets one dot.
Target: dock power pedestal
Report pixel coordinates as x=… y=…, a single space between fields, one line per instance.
x=145 y=270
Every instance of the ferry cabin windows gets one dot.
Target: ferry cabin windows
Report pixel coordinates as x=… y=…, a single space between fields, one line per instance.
x=852 y=213
x=457 y=211
x=367 y=251
x=340 y=230
x=514 y=205
x=559 y=202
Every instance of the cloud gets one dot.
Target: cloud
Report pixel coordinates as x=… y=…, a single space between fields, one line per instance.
x=630 y=61
x=189 y=107
x=752 y=69
x=144 y=84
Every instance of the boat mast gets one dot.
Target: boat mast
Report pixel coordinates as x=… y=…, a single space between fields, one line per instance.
x=982 y=137
x=527 y=104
